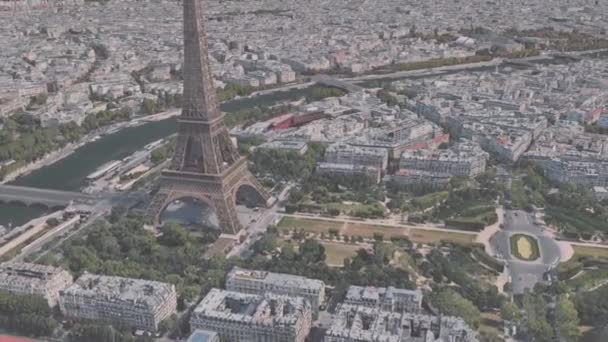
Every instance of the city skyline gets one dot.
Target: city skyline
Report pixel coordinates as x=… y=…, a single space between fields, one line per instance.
x=304 y=171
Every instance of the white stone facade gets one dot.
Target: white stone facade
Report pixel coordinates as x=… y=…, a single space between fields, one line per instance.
x=25 y=278
x=260 y=282
x=141 y=304
x=237 y=316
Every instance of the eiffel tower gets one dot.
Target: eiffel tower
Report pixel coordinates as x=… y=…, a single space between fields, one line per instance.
x=206 y=165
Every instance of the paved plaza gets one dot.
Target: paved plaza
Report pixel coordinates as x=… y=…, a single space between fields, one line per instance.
x=525 y=274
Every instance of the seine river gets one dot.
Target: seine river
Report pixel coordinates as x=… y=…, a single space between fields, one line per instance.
x=70 y=172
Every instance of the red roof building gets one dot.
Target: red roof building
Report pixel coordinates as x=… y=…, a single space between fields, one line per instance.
x=6 y=338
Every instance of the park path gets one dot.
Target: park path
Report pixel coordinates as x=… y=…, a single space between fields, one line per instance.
x=343 y=228
x=485 y=235
x=502 y=279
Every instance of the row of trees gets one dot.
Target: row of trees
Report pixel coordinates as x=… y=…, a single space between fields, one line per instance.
x=102 y=333
x=537 y=318
x=23 y=139
x=318 y=93
x=451 y=303
x=562 y=40
x=233 y=90
x=26 y=314
x=161 y=154
x=287 y=165
x=440 y=62
x=250 y=116
x=96 y=120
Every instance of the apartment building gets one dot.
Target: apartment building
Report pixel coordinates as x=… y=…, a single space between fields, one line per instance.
x=237 y=316
x=366 y=324
x=386 y=298
x=141 y=304
x=341 y=153
x=34 y=279
x=464 y=159
x=260 y=282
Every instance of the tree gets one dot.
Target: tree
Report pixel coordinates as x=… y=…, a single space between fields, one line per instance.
x=117 y=213
x=26 y=314
x=311 y=251
x=378 y=236
x=81 y=259
x=168 y=324
x=592 y=306
x=535 y=309
x=267 y=244
x=382 y=252
x=150 y=106
x=173 y=235
x=450 y=302
x=288 y=253
x=567 y=319
x=90 y=122
x=333 y=211
x=510 y=312
x=98 y=333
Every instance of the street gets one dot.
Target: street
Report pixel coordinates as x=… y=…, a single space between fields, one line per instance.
x=256 y=229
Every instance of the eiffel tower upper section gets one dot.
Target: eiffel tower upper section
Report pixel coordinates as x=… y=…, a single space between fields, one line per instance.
x=200 y=99
x=203 y=144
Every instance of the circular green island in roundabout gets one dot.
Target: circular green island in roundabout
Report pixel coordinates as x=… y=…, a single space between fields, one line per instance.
x=524 y=247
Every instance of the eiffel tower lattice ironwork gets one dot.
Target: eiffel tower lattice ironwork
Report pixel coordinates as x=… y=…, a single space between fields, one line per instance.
x=206 y=165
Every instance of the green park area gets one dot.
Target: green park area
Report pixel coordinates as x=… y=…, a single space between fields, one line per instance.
x=524 y=247
x=586 y=269
x=465 y=208
x=369 y=231
x=575 y=223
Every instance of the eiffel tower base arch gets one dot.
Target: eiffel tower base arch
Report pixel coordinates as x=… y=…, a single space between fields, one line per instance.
x=217 y=191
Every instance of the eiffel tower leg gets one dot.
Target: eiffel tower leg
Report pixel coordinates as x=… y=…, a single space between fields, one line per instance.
x=225 y=210
x=158 y=203
x=255 y=185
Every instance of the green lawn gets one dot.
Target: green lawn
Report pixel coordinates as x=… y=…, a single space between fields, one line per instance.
x=524 y=247
x=368 y=230
x=434 y=236
x=310 y=225
x=335 y=253
x=591 y=251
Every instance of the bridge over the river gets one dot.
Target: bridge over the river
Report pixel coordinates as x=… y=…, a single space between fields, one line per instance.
x=45 y=197
x=337 y=83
